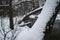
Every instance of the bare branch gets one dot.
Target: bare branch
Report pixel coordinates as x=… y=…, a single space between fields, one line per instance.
x=1 y=32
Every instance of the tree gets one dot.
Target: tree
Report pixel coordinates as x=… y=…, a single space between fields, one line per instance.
x=11 y=15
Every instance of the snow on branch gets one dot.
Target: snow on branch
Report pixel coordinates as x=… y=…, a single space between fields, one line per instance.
x=30 y=13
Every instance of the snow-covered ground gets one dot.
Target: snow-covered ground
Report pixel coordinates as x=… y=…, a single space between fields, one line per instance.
x=4 y=22
x=4 y=27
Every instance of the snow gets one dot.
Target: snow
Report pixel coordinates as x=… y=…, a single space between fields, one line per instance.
x=58 y=17
x=36 y=32
x=33 y=16
x=4 y=23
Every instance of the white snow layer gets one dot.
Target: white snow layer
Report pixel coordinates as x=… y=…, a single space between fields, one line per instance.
x=4 y=23
x=36 y=32
x=58 y=17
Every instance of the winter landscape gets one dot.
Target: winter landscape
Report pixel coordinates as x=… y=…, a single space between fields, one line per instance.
x=29 y=19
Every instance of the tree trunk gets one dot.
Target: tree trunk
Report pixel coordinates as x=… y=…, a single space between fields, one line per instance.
x=11 y=15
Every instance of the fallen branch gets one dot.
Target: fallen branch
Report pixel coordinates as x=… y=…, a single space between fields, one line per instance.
x=30 y=13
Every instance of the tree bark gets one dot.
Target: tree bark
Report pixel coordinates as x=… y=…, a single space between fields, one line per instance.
x=11 y=15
